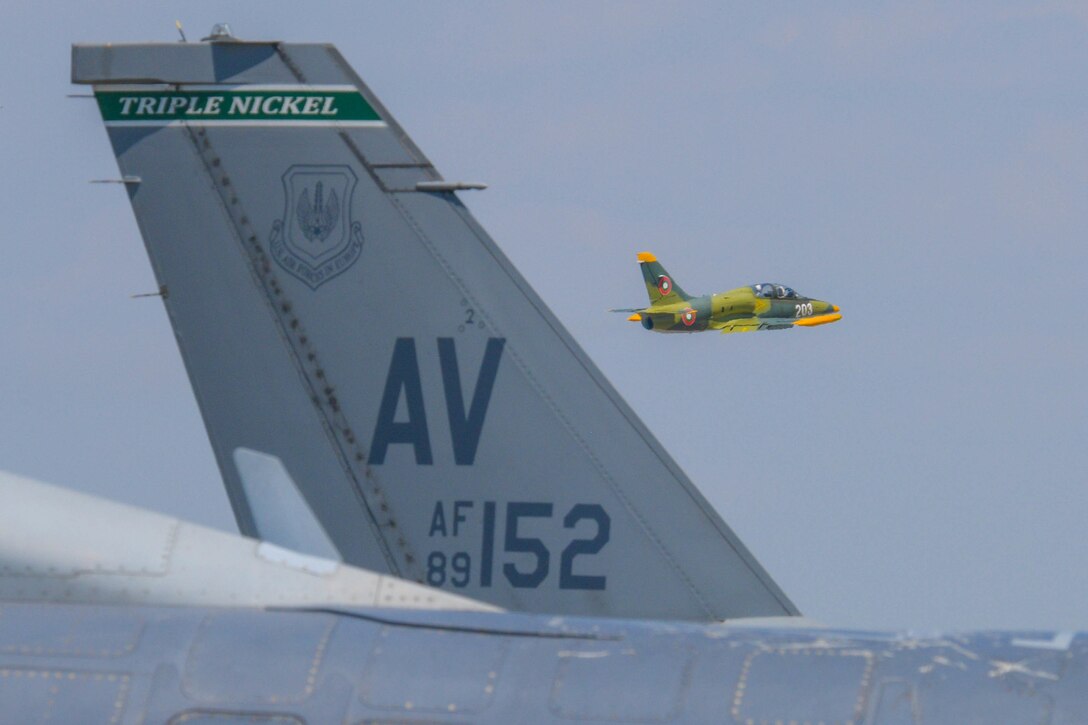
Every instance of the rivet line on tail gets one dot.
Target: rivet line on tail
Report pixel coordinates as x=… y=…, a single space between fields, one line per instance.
x=322 y=390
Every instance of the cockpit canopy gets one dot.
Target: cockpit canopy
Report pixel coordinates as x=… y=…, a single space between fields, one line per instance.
x=773 y=290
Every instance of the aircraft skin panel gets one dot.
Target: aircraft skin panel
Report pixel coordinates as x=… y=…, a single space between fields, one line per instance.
x=280 y=512
x=634 y=472
x=438 y=419
x=132 y=664
x=178 y=225
x=61 y=546
x=121 y=62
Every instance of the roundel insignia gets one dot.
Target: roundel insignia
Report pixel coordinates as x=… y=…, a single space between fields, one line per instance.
x=664 y=285
x=688 y=316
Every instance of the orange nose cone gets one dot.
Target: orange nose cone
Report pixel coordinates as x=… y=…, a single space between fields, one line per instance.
x=818 y=320
x=635 y=318
x=834 y=308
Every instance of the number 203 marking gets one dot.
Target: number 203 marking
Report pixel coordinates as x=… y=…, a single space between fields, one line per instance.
x=802 y=310
x=456 y=568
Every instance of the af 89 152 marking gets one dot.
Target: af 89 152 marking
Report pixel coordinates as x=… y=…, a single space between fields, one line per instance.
x=528 y=560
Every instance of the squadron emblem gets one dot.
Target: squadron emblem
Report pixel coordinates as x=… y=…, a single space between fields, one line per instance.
x=317 y=239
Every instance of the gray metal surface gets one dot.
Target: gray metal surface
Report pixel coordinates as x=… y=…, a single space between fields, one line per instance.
x=281 y=515
x=57 y=545
x=89 y=639
x=441 y=423
x=71 y=663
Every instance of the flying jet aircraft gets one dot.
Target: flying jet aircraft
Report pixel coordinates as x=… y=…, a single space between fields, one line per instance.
x=110 y=614
x=765 y=306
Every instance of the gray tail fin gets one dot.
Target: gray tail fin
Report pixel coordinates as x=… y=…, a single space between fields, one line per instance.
x=337 y=307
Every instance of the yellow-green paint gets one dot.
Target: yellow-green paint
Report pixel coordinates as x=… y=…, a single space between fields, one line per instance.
x=765 y=306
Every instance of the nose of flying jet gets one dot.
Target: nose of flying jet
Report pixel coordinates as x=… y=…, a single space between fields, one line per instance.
x=825 y=314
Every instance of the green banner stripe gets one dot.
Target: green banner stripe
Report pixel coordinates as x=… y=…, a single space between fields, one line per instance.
x=235 y=105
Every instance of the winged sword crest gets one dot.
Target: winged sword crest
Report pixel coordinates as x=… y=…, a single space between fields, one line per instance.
x=317 y=220
x=316 y=239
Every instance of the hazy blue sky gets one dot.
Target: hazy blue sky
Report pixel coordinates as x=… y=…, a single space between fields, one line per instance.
x=925 y=166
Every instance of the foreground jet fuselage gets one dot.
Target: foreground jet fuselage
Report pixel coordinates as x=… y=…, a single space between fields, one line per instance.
x=144 y=664
x=110 y=614
x=766 y=306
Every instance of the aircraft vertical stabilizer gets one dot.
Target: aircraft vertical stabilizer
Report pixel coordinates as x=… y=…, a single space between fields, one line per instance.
x=338 y=308
x=660 y=285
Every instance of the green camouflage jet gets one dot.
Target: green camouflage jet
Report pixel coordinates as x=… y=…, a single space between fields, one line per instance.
x=766 y=306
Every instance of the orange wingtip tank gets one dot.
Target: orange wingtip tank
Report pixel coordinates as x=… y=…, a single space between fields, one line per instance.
x=646 y=257
x=818 y=320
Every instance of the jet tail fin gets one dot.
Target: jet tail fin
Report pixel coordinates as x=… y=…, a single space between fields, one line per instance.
x=660 y=285
x=338 y=309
